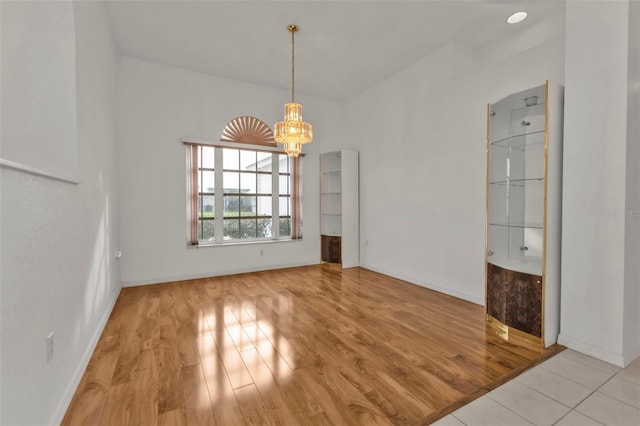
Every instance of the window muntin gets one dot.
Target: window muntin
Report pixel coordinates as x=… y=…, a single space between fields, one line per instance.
x=284 y=195
x=206 y=193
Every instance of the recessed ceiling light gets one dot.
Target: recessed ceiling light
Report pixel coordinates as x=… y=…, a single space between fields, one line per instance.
x=517 y=17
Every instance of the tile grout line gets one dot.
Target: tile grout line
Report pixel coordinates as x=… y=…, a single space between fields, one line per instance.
x=570 y=379
x=454 y=416
x=625 y=379
x=587 y=397
x=616 y=399
x=582 y=414
x=596 y=390
x=553 y=399
x=544 y=394
x=570 y=408
x=574 y=408
x=508 y=409
x=592 y=366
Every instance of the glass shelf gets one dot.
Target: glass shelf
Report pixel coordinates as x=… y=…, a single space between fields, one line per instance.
x=516 y=181
x=331 y=172
x=521 y=160
x=331 y=184
x=524 y=139
x=518 y=225
x=331 y=202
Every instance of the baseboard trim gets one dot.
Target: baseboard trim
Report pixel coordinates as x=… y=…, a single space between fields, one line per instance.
x=63 y=405
x=591 y=350
x=426 y=284
x=161 y=280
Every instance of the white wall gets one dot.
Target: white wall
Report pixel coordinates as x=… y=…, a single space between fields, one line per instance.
x=631 y=333
x=58 y=240
x=39 y=86
x=422 y=136
x=594 y=186
x=157 y=106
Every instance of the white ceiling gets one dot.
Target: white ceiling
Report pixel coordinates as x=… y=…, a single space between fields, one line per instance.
x=342 y=47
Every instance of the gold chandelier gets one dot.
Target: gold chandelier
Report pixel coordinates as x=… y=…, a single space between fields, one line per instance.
x=293 y=132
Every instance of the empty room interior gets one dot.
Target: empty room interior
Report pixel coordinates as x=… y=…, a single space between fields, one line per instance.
x=448 y=233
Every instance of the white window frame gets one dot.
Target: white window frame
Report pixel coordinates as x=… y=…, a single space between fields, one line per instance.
x=219 y=195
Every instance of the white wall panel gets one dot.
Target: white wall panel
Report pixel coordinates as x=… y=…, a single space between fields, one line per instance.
x=58 y=240
x=39 y=86
x=595 y=144
x=421 y=135
x=158 y=105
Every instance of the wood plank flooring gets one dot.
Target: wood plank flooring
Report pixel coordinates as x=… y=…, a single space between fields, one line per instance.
x=301 y=346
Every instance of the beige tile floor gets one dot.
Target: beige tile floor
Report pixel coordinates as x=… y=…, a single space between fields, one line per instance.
x=570 y=389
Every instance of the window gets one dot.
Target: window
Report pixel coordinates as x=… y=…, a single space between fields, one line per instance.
x=241 y=194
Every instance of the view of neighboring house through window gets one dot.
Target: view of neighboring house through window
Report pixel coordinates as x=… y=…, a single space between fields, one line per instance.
x=241 y=194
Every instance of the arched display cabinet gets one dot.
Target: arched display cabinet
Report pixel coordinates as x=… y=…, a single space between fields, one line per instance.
x=524 y=184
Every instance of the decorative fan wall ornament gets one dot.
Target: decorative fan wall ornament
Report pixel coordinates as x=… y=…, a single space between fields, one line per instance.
x=249 y=130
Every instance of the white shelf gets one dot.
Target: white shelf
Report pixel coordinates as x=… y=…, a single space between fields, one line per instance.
x=331 y=225
x=339 y=202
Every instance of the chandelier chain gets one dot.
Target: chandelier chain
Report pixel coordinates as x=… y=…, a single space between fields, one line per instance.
x=293 y=70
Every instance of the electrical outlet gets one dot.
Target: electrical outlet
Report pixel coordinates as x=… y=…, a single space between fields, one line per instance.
x=50 y=347
x=261 y=252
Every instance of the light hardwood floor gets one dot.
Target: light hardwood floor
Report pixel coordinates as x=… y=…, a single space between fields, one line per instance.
x=309 y=345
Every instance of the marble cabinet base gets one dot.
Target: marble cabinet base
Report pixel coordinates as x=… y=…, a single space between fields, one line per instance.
x=515 y=299
x=331 y=249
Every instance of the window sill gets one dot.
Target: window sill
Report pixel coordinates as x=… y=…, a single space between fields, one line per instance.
x=243 y=243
